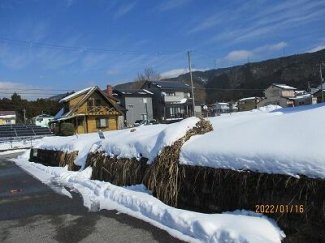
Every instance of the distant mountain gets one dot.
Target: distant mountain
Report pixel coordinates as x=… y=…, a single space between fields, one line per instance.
x=252 y=78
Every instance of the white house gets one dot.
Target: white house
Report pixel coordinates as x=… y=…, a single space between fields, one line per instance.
x=7 y=117
x=42 y=120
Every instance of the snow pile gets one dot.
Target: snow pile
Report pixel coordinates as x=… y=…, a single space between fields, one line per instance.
x=145 y=141
x=185 y=225
x=283 y=142
x=267 y=108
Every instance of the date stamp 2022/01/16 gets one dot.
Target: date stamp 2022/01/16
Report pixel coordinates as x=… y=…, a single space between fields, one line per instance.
x=279 y=208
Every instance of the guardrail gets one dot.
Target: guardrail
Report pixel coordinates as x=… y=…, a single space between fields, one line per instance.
x=19 y=142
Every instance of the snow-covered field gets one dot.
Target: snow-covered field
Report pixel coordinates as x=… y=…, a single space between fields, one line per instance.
x=238 y=226
x=285 y=141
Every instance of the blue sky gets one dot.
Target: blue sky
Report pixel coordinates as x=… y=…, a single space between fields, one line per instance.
x=72 y=44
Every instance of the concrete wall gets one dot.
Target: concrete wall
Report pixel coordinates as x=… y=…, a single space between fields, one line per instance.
x=137 y=109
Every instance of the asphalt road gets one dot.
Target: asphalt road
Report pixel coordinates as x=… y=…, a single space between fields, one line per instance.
x=32 y=212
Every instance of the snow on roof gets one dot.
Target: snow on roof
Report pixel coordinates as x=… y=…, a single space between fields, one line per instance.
x=43 y=116
x=249 y=98
x=69 y=97
x=301 y=96
x=8 y=116
x=170 y=85
x=182 y=101
x=5 y=113
x=148 y=91
x=133 y=92
x=283 y=86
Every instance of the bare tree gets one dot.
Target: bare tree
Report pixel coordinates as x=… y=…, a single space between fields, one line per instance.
x=148 y=74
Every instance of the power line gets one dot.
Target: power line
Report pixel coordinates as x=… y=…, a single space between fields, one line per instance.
x=201 y=88
x=81 y=49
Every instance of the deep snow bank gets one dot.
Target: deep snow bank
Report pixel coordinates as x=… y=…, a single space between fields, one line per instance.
x=283 y=141
x=240 y=226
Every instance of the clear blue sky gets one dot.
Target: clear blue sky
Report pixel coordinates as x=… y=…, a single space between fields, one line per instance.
x=73 y=44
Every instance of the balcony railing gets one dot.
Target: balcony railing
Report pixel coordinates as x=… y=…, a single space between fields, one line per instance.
x=100 y=110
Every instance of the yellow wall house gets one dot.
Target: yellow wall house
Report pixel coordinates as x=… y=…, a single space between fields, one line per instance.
x=7 y=117
x=90 y=110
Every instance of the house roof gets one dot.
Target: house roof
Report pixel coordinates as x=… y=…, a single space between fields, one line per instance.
x=7 y=113
x=133 y=92
x=283 y=86
x=249 y=98
x=319 y=88
x=69 y=97
x=43 y=116
x=169 y=84
x=86 y=92
x=301 y=97
x=83 y=91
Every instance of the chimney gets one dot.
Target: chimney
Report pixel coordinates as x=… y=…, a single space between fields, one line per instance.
x=109 y=90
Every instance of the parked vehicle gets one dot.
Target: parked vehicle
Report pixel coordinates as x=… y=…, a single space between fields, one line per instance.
x=138 y=123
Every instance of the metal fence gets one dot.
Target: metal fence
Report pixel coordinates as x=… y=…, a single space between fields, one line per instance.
x=19 y=142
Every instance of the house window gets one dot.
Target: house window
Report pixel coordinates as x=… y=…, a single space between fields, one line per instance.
x=90 y=103
x=187 y=95
x=97 y=102
x=174 y=111
x=170 y=94
x=101 y=123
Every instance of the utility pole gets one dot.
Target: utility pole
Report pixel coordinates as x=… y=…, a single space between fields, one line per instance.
x=191 y=76
x=321 y=81
x=24 y=110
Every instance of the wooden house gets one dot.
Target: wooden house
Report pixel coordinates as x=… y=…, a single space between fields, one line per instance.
x=90 y=110
x=278 y=94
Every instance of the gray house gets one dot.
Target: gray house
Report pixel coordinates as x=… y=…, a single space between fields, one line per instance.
x=171 y=100
x=278 y=94
x=137 y=102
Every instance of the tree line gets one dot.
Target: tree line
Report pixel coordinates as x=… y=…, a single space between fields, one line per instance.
x=33 y=108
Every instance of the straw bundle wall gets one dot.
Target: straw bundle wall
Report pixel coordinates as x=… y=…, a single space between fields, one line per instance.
x=217 y=190
x=162 y=178
x=54 y=158
x=118 y=171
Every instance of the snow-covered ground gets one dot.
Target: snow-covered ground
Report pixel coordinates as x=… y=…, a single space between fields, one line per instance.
x=285 y=141
x=238 y=226
x=25 y=143
x=272 y=140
